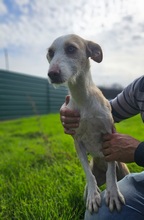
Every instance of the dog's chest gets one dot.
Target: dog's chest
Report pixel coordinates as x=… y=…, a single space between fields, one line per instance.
x=96 y=120
x=90 y=131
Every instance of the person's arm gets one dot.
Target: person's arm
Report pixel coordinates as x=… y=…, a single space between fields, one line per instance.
x=139 y=155
x=129 y=102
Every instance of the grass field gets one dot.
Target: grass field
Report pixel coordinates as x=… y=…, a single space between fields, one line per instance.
x=40 y=175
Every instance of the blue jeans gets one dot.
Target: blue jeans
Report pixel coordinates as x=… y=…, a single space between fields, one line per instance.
x=132 y=187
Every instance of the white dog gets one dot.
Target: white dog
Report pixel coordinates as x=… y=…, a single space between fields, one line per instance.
x=69 y=62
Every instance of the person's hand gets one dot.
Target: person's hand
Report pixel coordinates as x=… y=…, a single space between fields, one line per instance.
x=119 y=147
x=70 y=119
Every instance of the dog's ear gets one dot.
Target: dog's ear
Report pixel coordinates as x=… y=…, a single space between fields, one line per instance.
x=94 y=51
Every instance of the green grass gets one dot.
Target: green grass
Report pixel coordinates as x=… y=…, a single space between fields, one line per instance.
x=40 y=175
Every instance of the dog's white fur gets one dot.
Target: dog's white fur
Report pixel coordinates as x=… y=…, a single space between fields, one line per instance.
x=69 y=62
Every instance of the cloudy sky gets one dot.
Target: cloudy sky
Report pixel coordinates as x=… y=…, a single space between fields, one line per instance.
x=28 y=27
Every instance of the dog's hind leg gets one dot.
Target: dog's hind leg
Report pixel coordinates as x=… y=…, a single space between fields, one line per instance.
x=121 y=170
x=99 y=168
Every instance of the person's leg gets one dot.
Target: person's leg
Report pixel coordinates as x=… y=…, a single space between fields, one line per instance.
x=132 y=187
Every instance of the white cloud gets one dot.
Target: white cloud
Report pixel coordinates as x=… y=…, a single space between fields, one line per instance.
x=3 y=9
x=22 y=2
x=29 y=26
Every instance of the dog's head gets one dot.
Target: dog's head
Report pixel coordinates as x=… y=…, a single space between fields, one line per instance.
x=69 y=56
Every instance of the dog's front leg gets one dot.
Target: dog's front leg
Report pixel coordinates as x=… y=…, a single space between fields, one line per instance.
x=113 y=196
x=93 y=200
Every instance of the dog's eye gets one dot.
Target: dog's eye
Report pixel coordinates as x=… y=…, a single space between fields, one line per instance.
x=71 y=49
x=51 y=53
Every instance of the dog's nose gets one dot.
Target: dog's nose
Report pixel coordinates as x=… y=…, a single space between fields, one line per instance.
x=54 y=76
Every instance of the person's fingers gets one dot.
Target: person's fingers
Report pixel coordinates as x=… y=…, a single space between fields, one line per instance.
x=69 y=120
x=64 y=111
x=70 y=126
x=106 y=151
x=69 y=131
x=106 y=137
x=110 y=137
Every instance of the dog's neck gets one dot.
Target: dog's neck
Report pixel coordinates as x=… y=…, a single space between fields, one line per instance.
x=80 y=87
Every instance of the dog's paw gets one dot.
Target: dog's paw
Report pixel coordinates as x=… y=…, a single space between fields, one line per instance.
x=93 y=201
x=114 y=198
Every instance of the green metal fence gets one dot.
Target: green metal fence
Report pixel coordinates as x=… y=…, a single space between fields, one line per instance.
x=23 y=95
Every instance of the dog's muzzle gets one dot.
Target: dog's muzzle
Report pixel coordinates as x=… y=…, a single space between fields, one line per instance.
x=55 y=77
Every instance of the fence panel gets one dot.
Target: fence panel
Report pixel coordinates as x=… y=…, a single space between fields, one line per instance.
x=23 y=95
